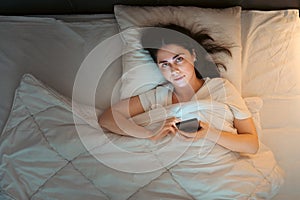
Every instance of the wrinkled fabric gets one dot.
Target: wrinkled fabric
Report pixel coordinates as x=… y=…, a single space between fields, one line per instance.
x=45 y=154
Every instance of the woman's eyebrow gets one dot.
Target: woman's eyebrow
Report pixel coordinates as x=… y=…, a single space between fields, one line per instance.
x=177 y=55
x=174 y=57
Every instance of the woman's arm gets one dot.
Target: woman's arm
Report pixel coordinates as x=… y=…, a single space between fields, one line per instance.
x=245 y=141
x=116 y=118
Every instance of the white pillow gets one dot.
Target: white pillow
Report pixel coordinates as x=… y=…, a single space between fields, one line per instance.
x=270 y=58
x=140 y=73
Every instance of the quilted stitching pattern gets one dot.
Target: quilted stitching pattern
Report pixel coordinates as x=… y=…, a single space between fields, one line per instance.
x=36 y=162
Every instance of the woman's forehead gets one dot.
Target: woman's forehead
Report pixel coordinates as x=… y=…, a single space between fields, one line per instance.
x=172 y=47
x=170 y=50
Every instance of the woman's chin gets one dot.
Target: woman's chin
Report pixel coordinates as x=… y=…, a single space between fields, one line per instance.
x=180 y=83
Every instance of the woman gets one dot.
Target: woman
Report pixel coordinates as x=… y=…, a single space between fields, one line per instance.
x=176 y=53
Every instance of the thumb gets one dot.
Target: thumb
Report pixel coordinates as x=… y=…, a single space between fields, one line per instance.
x=203 y=124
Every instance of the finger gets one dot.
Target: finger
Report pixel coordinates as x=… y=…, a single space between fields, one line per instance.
x=166 y=123
x=172 y=125
x=173 y=130
x=169 y=127
x=177 y=120
x=172 y=120
x=203 y=124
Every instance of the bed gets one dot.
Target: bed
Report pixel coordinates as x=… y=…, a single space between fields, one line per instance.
x=63 y=62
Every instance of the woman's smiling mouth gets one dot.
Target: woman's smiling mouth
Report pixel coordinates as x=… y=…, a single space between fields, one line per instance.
x=178 y=78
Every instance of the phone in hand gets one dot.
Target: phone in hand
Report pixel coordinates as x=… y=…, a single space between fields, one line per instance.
x=189 y=126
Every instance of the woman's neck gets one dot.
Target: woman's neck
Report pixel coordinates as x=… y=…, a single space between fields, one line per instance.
x=183 y=94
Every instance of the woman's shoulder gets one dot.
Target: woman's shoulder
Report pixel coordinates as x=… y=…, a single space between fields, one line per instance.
x=160 y=95
x=218 y=86
x=164 y=87
x=159 y=88
x=218 y=82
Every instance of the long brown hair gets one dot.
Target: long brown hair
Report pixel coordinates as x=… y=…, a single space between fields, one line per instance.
x=153 y=38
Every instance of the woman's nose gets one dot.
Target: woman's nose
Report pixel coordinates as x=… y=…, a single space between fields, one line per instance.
x=174 y=69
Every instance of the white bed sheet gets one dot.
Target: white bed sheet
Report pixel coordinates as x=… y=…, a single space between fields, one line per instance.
x=281 y=132
x=52 y=48
x=281 y=112
x=284 y=142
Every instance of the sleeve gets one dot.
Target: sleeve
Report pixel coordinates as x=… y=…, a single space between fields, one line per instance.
x=155 y=98
x=147 y=99
x=235 y=101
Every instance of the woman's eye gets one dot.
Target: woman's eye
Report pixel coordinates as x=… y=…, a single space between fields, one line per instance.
x=165 y=65
x=179 y=59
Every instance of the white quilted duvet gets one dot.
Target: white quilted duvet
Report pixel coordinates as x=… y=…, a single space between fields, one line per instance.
x=43 y=157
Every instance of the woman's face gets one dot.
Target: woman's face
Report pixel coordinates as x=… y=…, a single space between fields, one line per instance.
x=176 y=64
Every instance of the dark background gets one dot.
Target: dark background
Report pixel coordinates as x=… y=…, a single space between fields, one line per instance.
x=31 y=7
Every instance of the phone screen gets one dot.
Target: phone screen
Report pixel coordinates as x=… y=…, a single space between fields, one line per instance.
x=191 y=125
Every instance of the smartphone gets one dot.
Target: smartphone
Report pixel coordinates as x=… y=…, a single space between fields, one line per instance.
x=190 y=126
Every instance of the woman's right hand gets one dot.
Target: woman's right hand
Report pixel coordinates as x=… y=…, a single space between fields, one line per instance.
x=168 y=127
